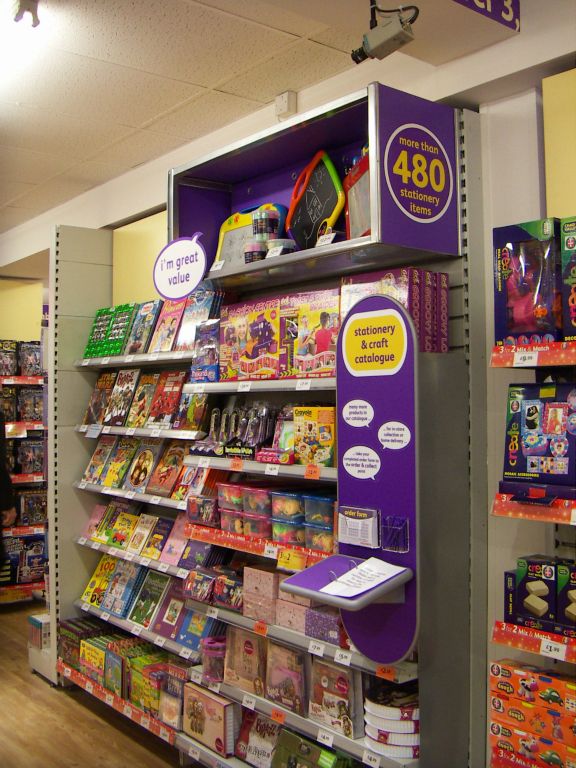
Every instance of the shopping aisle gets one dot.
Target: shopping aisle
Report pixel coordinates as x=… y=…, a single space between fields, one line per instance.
x=55 y=728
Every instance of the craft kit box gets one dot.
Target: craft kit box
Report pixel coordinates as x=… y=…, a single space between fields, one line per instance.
x=568 y=259
x=536 y=718
x=527 y=282
x=245 y=661
x=250 y=340
x=261 y=581
x=566 y=594
x=538 y=750
x=261 y=608
x=291 y=615
x=532 y=684
x=541 y=434
x=536 y=587
x=314 y=435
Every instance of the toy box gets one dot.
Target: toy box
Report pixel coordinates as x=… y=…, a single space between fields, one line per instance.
x=210 y=719
x=250 y=340
x=294 y=750
x=285 y=678
x=245 y=662
x=541 y=434
x=538 y=750
x=336 y=698
x=8 y=357
x=536 y=718
x=536 y=587
x=566 y=594
x=527 y=278
x=314 y=435
x=257 y=739
x=568 y=260
x=532 y=684
x=290 y=615
x=323 y=623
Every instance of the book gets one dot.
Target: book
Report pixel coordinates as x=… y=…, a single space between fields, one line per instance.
x=119 y=328
x=96 y=517
x=119 y=461
x=210 y=719
x=285 y=677
x=257 y=739
x=183 y=482
x=99 y=398
x=93 y=472
x=142 y=465
x=122 y=530
x=122 y=587
x=157 y=538
x=198 y=308
x=103 y=532
x=164 y=476
x=171 y=611
x=121 y=397
x=141 y=532
x=195 y=553
x=98 y=584
x=193 y=627
x=142 y=400
x=142 y=327
x=166 y=398
x=166 y=328
x=176 y=541
x=192 y=413
x=148 y=598
x=206 y=359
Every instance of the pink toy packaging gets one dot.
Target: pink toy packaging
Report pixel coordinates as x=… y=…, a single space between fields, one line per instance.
x=527 y=278
x=250 y=340
x=568 y=258
x=443 y=311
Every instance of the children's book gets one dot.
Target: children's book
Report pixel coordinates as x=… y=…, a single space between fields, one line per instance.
x=116 y=507
x=122 y=530
x=123 y=587
x=157 y=538
x=141 y=532
x=210 y=719
x=142 y=465
x=182 y=485
x=121 y=397
x=170 y=613
x=99 y=581
x=164 y=477
x=96 y=518
x=166 y=398
x=198 y=308
x=99 y=397
x=142 y=327
x=192 y=413
x=119 y=462
x=149 y=597
x=206 y=360
x=176 y=541
x=93 y=472
x=195 y=553
x=193 y=628
x=166 y=329
x=142 y=400
x=119 y=328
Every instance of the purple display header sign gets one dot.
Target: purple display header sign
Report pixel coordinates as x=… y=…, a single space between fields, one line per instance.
x=377 y=465
x=505 y=12
x=418 y=177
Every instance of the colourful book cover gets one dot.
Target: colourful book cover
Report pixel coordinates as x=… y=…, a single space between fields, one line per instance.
x=182 y=485
x=149 y=597
x=166 y=398
x=114 y=509
x=119 y=461
x=96 y=518
x=142 y=327
x=144 y=527
x=122 y=587
x=192 y=413
x=166 y=473
x=142 y=465
x=96 y=587
x=142 y=400
x=198 y=308
x=176 y=541
x=93 y=472
x=167 y=326
x=121 y=397
x=122 y=530
x=157 y=538
x=193 y=628
x=195 y=553
x=210 y=719
x=99 y=397
x=171 y=612
x=206 y=360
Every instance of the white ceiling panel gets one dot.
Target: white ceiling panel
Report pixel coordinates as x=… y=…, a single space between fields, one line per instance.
x=11 y=189
x=11 y=217
x=264 y=13
x=136 y=149
x=29 y=166
x=51 y=193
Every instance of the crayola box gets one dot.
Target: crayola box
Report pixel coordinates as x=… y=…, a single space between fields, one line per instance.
x=314 y=435
x=250 y=340
x=568 y=260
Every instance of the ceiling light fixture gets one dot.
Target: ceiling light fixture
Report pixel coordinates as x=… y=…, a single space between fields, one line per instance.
x=27 y=6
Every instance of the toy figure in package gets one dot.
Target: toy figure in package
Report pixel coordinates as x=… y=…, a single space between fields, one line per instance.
x=31 y=404
x=29 y=358
x=568 y=258
x=142 y=327
x=8 y=358
x=31 y=457
x=8 y=403
x=32 y=507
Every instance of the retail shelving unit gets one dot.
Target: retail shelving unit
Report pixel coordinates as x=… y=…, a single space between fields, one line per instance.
x=452 y=629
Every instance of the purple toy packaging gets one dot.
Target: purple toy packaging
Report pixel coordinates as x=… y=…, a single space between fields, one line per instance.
x=536 y=587
x=568 y=258
x=249 y=340
x=527 y=278
x=566 y=594
x=443 y=310
x=541 y=434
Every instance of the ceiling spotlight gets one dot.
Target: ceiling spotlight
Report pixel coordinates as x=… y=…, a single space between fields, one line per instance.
x=386 y=35
x=27 y=6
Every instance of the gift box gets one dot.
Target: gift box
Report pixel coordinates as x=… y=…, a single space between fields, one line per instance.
x=291 y=615
x=261 y=582
x=323 y=623
x=260 y=608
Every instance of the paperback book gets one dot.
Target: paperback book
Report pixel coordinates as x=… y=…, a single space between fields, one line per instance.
x=119 y=461
x=171 y=611
x=122 y=530
x=164 y=476
x=195 y=553
x=142 y=400
x=121 y=397
x=99 y=397
x=142 y=465
x=122 y=588
x=144 y=527
x=99 y=581
x=194 y=626
x=157 y=538
x=176 y=541
x=198 y=308
x=192 y=413
x=116 y=507
x=166 y=329
x=148 y=598
x=93 y=472
x=142 y=327
x=96 y=517
x=166 y=398
x=206 y=360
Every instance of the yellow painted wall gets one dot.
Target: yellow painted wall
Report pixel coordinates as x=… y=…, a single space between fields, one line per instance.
x=559 y=100
x=20 y=309
x=135 y=248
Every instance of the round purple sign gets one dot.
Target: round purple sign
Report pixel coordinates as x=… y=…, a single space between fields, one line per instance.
x=179 y=267
x=418 y=173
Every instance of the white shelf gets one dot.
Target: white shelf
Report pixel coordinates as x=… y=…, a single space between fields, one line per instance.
x=146 y=359
x=203 y=755
x=122 y=493
x=156 y=565
x=327 y=474
x=263 y=385
x=95 y=430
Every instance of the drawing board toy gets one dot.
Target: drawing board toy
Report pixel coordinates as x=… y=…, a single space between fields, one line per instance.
x=357 y=189
x=317 y=201
x=237 y=228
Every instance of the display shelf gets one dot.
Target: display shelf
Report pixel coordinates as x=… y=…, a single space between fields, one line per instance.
x=27 y=479
x=203 y=755
x=557 y=511
x=156 y=565
x=23 y=530
x=121 y=493
x=263 y=385
x=19 y=593
x=535 y=641
x=95 y=430
x=126 y=708
x=22 y=381
x=534 y=355
x=138 y=630
x=146 y=359
x=310 y=472
x=20 y=429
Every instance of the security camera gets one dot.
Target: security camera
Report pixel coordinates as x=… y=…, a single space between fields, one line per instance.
x=390 y=34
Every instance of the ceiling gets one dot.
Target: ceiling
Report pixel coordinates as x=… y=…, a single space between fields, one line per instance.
x=107 y=85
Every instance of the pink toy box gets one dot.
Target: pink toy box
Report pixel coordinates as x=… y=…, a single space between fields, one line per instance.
x=250 y=340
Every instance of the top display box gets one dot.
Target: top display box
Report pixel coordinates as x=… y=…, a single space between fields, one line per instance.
x=411 y=188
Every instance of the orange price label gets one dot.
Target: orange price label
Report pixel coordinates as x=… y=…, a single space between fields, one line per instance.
x=261 y=628
x=236 y=464
x=386 y=673
x=278 y=716
x=312 y=472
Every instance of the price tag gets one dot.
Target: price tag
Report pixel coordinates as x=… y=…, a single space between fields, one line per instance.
x=154 y=500
x=236 y=464
x=145 y=721
x=85 y=606
x=271 y=469
x=163 y=567
x=109 y=699
x=272 y=252
x=270 y=550
x=278 y=716
x=215 y=687
x=95 y=544
x=291 y=560
x=185 y=653
x=325 y=737
x=129 y=556
x=67 y=672
x=369 y=758
x=316 y=648
x=93 y=430
x=106 y=430
x=145 y=561
x=130 y=494
x=105 y=360
x=198 y=389
x=105 y=616
x=160 y=641
x=326 y=239
x=82 y=427
x=82 y=540
x=386 y=673
x=248 y=701
x=303 y=385
x=343 y=657
x=196 y=676
x=178 y=355
x=136 y=629
x=129 y=358
x=108 y=491
x=164 y=734
x=525 y=359
x=217 y=266
x=182 y=504
x=261 y=628
x=553 y=649
x=312 y=472
x=244 y=386
x=212 y=612
x=154 y=356
x=131 y=431
x=182 y=573
x=155 y=432
x=127 y=711
x=204 y=462
x=89 y=686
x=86 y=362
x=194 y=754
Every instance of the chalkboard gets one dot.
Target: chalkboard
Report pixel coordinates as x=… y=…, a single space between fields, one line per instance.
x=317 y=201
